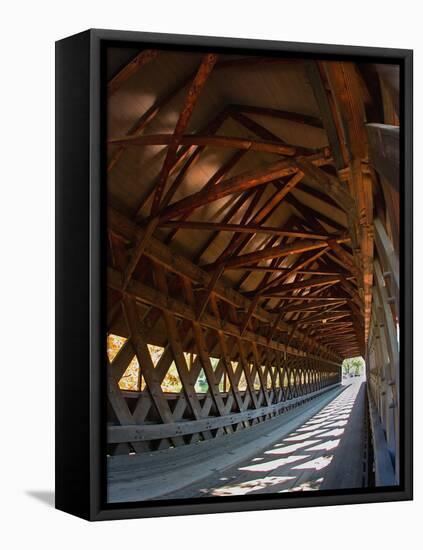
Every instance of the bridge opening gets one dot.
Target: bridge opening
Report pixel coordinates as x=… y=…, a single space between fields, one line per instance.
x=253 y=277
x=353 y=367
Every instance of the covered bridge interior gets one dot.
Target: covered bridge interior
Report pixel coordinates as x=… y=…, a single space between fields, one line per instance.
x=253 y=245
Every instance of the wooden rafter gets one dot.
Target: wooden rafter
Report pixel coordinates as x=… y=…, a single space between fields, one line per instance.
x=306 y=283
x=236 y=184
x=347 y=116
x=161 y=254
x=130 y=69
x=191 y=99
x=278 y=288
x=249 y=228
x=277 y=252
x=277 y=113
x=184 y=160
x=225 y=142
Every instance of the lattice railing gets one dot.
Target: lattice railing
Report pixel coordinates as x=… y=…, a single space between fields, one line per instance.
x=233 y=364
x=247 y=384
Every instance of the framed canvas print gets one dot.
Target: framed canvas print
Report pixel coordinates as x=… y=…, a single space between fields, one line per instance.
x=234 y=274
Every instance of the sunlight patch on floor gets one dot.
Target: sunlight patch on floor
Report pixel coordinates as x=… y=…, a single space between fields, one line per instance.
x=316 y=441
x=335 y=433
x=338 y=424
x=301 y=437
x=316 y=464
x=314 y=427
x=283 y=450
x=272 y=464
x=325 y=446
x=311 y=485
x=250 y=486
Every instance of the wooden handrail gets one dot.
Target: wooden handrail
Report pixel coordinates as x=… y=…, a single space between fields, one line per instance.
x=148 y=432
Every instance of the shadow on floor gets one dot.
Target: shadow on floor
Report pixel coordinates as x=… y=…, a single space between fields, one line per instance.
x=300 y=461
x=45 y=497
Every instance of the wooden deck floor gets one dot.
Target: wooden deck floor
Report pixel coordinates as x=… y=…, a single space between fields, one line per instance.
x=324 y=452
x=319 y=445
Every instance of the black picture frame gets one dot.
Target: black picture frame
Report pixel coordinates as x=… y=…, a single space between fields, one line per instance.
x=80 y=283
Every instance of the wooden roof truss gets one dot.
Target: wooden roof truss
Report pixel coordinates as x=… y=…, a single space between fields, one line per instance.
x=286 y=334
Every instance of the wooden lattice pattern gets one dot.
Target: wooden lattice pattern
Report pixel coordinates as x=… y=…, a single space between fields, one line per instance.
x=200 y=357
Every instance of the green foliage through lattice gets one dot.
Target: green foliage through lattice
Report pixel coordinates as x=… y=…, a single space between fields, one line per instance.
x=354 y=366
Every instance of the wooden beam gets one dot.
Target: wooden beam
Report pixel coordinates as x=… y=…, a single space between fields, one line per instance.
x=258 y=364
x=307 y=283
x=274 y=326
x=144 y=359
x=328 y=183
x=309 y=307
x=340 y=338
x=326 y=108
x=141 y=242
x=117 y=434
x=299 y=265
x=124 y=228
x=155 y=298
x=315 y=193
x=324 y=317
x=261 y=131
x=226 y=142
x=236 y=184
x=203 y=352
x=120 y=363
x=190 y=155
x=311 y=298
x=276 y=252
x=144 y=120
x=344 y=256
x=247 y=372
x=130 y=69
x=288 y=270
x=233 y=208
x=346 y=89
x=233 y=377
x=177 y=350
x=238 y=243
x=249 y=313
x=277 y=113
x=251 y=228
x=191 y=99
x=210 y=287
x=313 y=217
x=215 y=178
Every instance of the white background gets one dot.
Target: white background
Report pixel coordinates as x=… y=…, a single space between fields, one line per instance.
x=28 y=32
